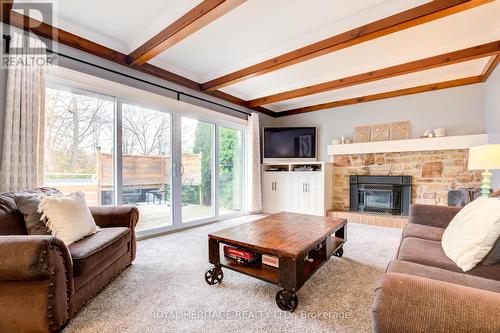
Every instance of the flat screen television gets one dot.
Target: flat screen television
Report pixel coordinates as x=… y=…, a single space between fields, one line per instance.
x=289 y=144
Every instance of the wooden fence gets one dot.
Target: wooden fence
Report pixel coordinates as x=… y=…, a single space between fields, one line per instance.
x=139 y=172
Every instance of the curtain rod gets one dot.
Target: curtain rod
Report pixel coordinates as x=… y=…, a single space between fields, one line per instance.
x=179 y=93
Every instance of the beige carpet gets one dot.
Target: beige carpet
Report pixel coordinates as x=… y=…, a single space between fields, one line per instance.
x=165 y=291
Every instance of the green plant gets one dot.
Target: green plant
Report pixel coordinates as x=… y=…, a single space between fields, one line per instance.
x=228 y=167
x=203 y=145
x=229 y=164
x=190 y=194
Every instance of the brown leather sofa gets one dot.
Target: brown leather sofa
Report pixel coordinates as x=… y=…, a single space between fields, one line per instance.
x=424 y=291
x=43 y=283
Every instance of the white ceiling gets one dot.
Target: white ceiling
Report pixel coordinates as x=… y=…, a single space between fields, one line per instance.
x=120 y=25
x=445 y=35
x=439 y=74
x=260 y=29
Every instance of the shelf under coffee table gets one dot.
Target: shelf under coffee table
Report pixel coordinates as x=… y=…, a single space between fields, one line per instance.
x=288 y=236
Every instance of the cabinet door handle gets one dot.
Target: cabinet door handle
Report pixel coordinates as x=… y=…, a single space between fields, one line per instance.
x=275 y=186
x=307 y=187
x=272 y=186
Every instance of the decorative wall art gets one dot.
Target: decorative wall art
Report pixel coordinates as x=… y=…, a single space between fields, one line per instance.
x=400 y=130
x=362 y=134
x=380 y=132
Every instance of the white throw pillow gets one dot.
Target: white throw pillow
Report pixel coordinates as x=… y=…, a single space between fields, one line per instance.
x=472 y=232
x=68 y=216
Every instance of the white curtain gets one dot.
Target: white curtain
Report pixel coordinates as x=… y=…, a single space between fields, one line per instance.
x=21 y=164
x=253 y=157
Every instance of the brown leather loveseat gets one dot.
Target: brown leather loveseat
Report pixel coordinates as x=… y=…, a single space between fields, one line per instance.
x=425 y=291
x=43 y=283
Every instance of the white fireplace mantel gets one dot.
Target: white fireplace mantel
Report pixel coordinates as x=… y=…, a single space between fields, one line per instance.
x=426 y=144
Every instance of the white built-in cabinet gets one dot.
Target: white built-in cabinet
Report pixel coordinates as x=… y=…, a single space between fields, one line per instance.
x=304 y=188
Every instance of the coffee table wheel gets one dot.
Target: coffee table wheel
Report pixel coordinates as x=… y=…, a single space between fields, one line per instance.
x=339 y=252
x=214 y=275
x=286 y=300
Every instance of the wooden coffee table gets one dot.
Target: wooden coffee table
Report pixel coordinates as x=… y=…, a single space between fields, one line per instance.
x=303 y=243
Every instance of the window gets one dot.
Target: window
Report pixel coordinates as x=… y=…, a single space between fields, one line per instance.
x=79 y=144
x=231 y=164
x=177 y=170
x=197 y=171
x=146 y=165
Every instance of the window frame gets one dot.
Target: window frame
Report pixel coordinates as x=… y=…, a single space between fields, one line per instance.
x=167 y=105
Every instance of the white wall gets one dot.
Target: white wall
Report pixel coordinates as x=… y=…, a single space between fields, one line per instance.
x=265 y=120
x=460 y=110
x=492 y=115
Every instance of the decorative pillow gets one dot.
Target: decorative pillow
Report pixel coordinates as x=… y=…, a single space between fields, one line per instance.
x=472 y=233
x=68 y=216
x=28 y=203
x=493 y=257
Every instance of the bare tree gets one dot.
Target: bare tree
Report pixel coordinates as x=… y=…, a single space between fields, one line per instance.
x=77 y=125
x=80 y=125
x=145 y=132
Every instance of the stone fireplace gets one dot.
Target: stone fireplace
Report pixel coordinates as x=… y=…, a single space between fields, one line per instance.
x=433 y=173
x=380 y=194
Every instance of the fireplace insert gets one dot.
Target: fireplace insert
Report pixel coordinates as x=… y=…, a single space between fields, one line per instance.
x=380 y=194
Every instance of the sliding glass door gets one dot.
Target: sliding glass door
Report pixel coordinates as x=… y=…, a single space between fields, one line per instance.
x=79 y=147
x=176 y=168
x=197 y=169
x=231 y=169
x=145 y=164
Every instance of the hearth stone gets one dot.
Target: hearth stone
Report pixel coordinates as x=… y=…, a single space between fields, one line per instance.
x=380 y=220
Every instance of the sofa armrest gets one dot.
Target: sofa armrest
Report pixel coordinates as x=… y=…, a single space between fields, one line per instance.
x=36 y=281
x=407 y=303
x=32 y=257
x=431 y=215
x=115 y=216
x=118 y=216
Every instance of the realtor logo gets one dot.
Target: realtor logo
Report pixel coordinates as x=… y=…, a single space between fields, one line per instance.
x=27 y=50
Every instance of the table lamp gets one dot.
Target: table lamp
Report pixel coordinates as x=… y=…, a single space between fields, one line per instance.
x=485 y=158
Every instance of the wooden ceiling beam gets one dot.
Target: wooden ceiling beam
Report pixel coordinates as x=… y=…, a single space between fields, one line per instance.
x=198 y=17
x=47 y=31
x=5 y=8
x=384 y=95
x=450 y=58
x=490 y=67
x=416 y=16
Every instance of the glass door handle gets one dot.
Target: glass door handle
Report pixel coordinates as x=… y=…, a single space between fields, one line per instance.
x=177 y=169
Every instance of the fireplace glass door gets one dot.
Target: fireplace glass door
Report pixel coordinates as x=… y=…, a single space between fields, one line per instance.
x=379 y=198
